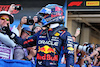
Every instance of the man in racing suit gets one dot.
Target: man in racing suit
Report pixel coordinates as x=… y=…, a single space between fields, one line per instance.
x=50 y=40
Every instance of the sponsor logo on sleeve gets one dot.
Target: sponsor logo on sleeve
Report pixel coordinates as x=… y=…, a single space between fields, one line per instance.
x=57 y=34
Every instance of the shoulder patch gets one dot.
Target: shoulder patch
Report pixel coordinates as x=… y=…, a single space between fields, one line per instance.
x=70 y=48
x=56 y=34
x=59 y=33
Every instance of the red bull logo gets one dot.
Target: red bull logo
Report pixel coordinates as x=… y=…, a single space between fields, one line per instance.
x=46 y=49
x=47 y=57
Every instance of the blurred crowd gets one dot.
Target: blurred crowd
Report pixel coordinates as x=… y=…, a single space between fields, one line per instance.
x=85 y=55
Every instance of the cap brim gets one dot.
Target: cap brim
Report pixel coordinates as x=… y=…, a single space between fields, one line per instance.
x=30 y=31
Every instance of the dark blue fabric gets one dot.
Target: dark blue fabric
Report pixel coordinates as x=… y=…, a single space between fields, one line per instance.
x=61 y=55
x=15 y=63
x=95 y=66
x=76 y=65
x=46 y=41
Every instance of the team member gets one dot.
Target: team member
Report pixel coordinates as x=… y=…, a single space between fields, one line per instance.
x=50 y=40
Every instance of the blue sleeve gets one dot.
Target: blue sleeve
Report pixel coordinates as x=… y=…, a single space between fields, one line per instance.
x=26 y=42
x=68 y=49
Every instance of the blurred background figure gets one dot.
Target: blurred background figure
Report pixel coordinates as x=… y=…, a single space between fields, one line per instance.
x=23 y=21
x=37 y=28
x=25 y=33
x=33 y=49
x=19 y=53
x=94 y=58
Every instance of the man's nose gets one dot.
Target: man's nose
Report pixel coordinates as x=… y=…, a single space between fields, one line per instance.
x=5 y=20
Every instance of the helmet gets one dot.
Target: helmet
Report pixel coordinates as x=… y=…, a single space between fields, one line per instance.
x=10 y=16
x=52 y=13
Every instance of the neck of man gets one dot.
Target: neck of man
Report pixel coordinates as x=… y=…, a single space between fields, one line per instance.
x=54 y=25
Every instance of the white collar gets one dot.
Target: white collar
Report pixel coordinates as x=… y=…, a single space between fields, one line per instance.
x=54 y=25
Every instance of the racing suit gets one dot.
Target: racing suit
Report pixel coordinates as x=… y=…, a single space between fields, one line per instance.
x=49 y=47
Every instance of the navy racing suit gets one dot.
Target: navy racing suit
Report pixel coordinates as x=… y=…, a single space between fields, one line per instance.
x=49 y=47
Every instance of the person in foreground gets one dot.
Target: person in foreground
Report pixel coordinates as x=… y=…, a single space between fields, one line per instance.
x=50 y=40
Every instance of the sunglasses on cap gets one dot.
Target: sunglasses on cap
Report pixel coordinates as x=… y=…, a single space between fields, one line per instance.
x=3 y=18
x=27 y=32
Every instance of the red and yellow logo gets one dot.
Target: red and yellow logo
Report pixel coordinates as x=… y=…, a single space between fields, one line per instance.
x=46 y=49
x=92 y=3
x=50 y=29
x=47 y=57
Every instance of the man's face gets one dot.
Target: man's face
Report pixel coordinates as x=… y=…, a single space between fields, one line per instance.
x=37 y=29
x=4 y=20
x=25 y=35
x=40 y=23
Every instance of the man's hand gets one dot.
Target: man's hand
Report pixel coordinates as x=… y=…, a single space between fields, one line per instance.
x=88 y=59
x=6 y=30
x=95 y=52
x=12 y=7
x=32 y=52
x=35 y=18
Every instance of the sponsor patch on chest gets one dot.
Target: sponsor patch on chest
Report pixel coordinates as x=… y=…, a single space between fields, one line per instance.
x=48 y=42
